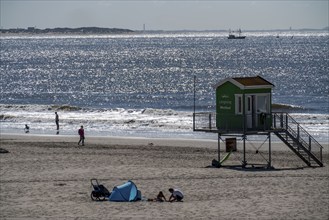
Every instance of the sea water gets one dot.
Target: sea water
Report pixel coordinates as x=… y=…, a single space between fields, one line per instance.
x=143 y=84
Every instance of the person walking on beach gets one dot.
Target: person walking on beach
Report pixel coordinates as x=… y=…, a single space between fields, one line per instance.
x=57 y=120
x=27 y=129
x=81 y=132
x=176 y=195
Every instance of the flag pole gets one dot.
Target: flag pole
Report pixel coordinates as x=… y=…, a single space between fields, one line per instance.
x=194 y=102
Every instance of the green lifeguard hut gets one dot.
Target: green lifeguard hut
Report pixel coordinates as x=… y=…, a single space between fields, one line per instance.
x=244 y=110
x=243 y=104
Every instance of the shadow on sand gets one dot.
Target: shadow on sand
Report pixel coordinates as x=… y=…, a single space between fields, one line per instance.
x=254 y=168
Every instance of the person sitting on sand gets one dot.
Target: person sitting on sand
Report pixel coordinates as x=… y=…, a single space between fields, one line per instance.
x=176 y=195
x=160 y=198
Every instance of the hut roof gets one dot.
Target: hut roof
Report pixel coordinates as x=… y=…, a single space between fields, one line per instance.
x=247 y=82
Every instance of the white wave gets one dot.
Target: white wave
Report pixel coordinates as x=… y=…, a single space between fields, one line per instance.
x=41 y=117
x=120 y=121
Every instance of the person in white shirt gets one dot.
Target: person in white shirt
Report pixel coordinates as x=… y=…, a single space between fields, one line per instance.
x=176 y=195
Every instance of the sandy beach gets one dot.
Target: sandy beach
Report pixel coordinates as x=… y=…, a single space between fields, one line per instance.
x=48 y=177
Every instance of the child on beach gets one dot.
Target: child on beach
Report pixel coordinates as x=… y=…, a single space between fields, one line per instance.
x=81 y=132
x=160 y=198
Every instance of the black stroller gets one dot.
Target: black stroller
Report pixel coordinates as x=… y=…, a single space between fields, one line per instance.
x=99 y=193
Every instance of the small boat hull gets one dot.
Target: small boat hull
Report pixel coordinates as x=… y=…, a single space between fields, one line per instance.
x=231 y=36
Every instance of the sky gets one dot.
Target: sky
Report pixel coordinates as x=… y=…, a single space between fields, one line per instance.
x=166 y=14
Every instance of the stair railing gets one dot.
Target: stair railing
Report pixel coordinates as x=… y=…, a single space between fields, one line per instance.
x=283 y=121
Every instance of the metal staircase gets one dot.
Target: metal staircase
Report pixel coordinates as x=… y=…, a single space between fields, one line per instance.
x=297 y=139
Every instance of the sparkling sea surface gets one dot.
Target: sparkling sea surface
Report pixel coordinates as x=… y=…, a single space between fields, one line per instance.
x=143 y=84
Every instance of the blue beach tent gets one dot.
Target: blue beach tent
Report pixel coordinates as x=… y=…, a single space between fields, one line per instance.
x=126 y=192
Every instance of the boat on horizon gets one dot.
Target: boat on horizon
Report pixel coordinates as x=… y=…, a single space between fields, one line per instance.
x=233 y=36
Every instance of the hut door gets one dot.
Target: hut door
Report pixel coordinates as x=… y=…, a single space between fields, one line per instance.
x=250 y=103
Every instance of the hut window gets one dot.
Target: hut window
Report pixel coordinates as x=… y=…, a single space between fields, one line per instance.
x=238 y=104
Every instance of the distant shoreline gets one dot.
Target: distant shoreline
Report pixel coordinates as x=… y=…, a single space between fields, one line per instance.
x=64 y=31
